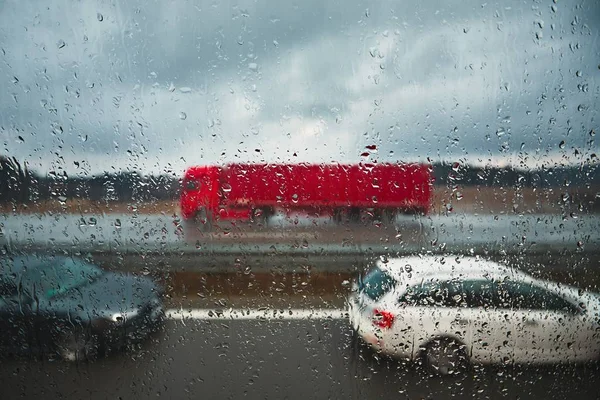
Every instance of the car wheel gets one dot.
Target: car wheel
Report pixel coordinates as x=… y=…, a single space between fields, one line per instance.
x=445 y=356
x=78 y=345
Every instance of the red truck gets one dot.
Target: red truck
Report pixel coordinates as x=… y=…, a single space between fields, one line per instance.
x=254 y=191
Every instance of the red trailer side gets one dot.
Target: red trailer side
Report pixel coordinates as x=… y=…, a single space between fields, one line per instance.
x=236 y=190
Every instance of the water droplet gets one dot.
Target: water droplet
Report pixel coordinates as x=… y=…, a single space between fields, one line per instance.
x=455 y=166
x=562 y=144
x=226 y=187
x=539 y=35
x=100 y=17
x=253 y=66
x=145 y=271
x=553 y=8
x=294 y=198
x=182 y=116
x=20 y=139
x=459 y=196
x=500 y=132
x=62 y=199
x=118 y=223
x=185 y=89
x=92 y=221
x=578 y=74
x=60 y=44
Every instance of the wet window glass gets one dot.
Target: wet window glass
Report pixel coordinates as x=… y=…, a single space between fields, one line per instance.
x=50 y=277
x=528 y=296
x=479 y=293
x=7 y=288
x=377 y=283
x=299 y=199
x=439 y=294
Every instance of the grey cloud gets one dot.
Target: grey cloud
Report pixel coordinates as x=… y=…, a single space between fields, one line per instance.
x=321 y=80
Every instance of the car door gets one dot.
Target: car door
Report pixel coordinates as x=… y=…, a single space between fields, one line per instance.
x=552 y=323
x=438 y=312
x=545 y=323
x=490 y=331
x=520 y=319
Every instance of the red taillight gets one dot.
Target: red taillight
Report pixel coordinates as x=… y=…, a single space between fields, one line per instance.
x=383 y=319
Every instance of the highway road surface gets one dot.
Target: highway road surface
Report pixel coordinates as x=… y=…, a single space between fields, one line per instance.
x=262 y=354
x=272 y=334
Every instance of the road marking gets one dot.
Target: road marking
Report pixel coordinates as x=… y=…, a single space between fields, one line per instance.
x=256 y=314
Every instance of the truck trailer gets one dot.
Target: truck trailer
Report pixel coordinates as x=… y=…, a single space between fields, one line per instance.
x=246 y=191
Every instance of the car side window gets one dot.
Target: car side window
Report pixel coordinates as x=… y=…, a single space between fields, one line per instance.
x=424 y=294
x=479 y=293
x=528 y=296
x=7 y=288
x=440 y=294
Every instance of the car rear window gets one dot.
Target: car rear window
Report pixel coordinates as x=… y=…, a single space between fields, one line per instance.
x=377 y=283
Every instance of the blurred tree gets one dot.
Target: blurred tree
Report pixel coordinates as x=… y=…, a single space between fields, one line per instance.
x=15 y=181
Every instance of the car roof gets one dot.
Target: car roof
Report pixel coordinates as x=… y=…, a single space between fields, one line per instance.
x=414 y=269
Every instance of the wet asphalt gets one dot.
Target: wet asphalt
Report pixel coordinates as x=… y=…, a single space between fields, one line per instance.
x=302 y=359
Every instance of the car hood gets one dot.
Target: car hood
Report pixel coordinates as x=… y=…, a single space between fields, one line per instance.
x=110 y=293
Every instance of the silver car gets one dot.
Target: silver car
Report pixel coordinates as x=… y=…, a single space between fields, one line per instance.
x=454 y=310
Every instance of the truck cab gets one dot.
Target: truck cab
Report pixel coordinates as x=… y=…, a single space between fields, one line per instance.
x=199 y=192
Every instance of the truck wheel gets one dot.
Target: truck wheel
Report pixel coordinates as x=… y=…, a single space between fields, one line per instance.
x=337 y=216
x=354 y=215
x=343 y=215
x=260 y=216
x=388 y=216
x=204 y=220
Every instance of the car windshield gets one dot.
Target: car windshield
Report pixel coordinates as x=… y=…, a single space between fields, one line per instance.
x=377 y=283
x=57 y=276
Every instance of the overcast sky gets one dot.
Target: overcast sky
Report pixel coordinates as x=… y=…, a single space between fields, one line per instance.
x=100 y=86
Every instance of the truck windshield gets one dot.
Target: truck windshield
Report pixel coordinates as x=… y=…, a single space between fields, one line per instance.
x=191 y=184
x=377 y=283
